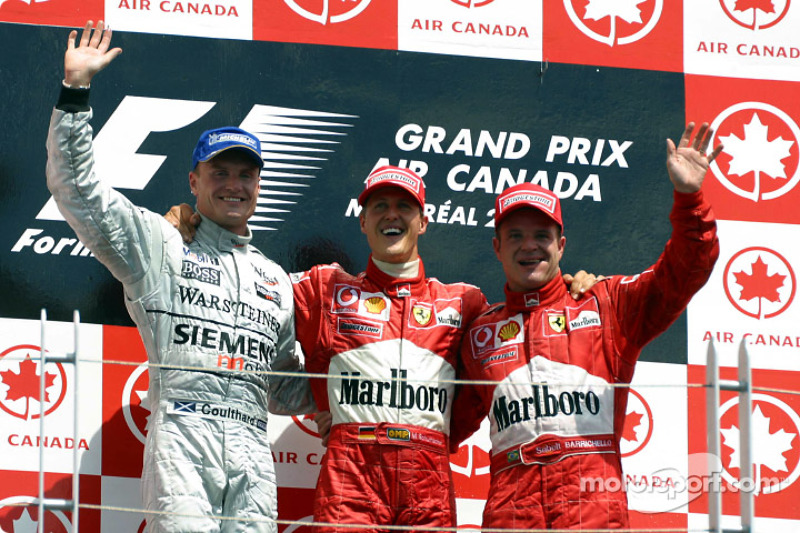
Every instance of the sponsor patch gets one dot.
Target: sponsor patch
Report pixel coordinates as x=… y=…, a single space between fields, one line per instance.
x=531 y=299
x=585 y=319
x=375 y=305
x=421 y=314
x=493 y=358
x=214 y=411
x=400 y=434
x=557 y=322
x=445 y=313
x=352 y=326
x=508 y=332
x=448 y=317
x=266 y=294
x=204 y=274
x=348 y=299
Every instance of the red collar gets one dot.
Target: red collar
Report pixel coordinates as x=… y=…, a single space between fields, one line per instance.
x=550 y=292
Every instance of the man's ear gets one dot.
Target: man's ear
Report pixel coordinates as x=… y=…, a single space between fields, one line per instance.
x=496 y=246
x=361 y=222
x=193 y=182
x=423 y=227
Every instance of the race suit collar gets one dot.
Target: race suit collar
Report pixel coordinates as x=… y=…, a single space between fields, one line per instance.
x=391 y=285
x=528 y=301
x=210 y=232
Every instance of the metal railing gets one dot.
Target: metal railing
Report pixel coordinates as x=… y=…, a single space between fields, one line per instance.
x=67 y=358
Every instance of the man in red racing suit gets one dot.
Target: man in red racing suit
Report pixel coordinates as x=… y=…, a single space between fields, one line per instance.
x=555 y=416
x=389 y=339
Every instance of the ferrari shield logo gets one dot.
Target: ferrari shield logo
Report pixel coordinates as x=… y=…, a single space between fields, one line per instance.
x=421 y=314
x=557 y=322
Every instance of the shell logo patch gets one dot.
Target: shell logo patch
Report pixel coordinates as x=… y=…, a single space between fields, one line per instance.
x=557 y=322
x=509 y=331
x=376 y=304
x=421 y=314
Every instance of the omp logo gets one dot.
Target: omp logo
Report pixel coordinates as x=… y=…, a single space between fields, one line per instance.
x=756 y=14
x=760 y=158
x=472 y=3
x=759 y=282
x=328 y=11
x=20 y=375
x=294 y=143
x=614 y=23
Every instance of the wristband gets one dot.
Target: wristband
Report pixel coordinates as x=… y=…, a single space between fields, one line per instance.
x=68 y=86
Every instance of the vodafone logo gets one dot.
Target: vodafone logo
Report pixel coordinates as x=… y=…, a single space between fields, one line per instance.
x=481 y=337
x=328 y=11
x=20 y=374
x=472 y=3
x=775 y=430
x=614 y=23
x=760 y=158
x=135 y=408
x=759 y=282
x=638 y=426
x=756 y=14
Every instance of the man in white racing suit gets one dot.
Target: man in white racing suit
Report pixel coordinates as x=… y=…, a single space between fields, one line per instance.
x=215 y=316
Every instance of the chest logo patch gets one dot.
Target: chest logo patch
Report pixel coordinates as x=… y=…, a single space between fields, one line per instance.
x=509 y=331
x=421 y=314
x=557 y=322
x=375 y=305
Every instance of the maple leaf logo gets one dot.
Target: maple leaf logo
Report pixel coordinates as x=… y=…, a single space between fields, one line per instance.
x=763 y=5
x=626 y=10
x=759 y=284
x=24 y=385
x=768 y=448
x=632 y=421
x=756 y=153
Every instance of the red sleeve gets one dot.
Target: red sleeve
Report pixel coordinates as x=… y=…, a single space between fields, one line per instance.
x=471 y=404
x=309 y=288
x=648 y=303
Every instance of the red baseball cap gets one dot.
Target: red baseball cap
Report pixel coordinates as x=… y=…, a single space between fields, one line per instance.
x=527 y=195
x=390 y=176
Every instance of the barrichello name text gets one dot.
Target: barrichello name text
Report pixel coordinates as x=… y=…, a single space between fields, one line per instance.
x=394 y=393
x=543 y=404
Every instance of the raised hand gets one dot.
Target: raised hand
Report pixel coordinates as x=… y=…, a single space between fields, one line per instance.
x=90 y=56
x=688 y=163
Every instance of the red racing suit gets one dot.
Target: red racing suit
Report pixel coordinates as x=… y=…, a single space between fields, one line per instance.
x=554 y=420
x=390 y=347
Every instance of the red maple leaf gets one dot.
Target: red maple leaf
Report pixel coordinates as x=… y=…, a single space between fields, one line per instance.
x=759 y=284
x=764 y=5
x=26 y=383
x=632 y=421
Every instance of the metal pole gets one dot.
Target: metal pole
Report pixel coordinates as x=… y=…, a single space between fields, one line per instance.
x=76 y=425
x=712 y=427
x=42 y=361
x=746 y=495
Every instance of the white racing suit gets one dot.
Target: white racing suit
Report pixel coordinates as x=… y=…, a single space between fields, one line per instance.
x=213 y=316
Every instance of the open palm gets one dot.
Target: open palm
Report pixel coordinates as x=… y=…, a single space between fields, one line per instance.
x=90 y=56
